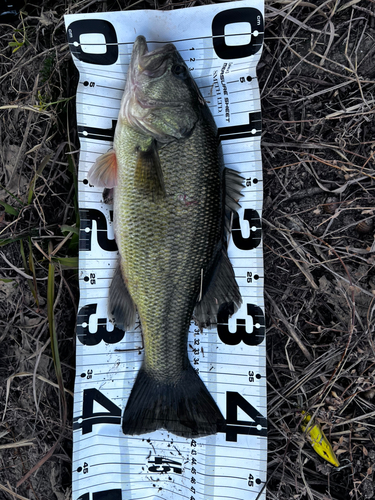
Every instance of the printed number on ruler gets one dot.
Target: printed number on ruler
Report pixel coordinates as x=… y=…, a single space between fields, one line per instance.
x=114 y=494
x=111 y=413
x=223 y=51
x=223 y=19
x=234 y=400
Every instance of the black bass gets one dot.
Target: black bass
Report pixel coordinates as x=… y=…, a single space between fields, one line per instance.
x=172 y=201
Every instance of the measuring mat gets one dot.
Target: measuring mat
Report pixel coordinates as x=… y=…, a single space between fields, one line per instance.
x=221 y=44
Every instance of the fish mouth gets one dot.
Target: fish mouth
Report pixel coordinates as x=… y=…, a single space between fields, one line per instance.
x=153 y=63
x=138 y=108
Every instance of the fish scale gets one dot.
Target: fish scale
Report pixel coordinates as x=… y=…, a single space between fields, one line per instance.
x=170 y=202
x=171 y=244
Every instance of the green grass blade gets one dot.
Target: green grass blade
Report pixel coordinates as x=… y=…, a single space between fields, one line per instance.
x=34 y=287
x=44 y=162
x=9 y=209
x=67 y=262
x=29 y=269
x=12 y=195
x=53 y=333
x=69 y=229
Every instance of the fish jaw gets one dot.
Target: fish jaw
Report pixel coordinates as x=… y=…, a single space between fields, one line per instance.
x=157 y=101
x=135 y=106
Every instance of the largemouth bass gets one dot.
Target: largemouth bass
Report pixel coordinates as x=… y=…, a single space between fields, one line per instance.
x=172 y=201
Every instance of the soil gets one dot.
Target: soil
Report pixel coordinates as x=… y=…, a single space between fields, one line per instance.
x=317 y=81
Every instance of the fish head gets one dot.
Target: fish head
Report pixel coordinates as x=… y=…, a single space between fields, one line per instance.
x=161 y=98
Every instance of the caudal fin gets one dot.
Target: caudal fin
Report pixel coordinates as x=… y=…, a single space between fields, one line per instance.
x=186 y=408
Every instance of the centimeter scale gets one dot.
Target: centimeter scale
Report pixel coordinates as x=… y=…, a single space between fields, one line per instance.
x=221 y=44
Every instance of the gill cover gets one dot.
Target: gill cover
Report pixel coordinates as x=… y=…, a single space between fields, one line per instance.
x=161 y=98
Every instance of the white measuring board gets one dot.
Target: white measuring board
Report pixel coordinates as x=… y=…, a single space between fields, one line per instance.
x=221 y=44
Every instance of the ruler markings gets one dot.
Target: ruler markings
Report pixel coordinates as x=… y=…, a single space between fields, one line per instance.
x=239 y=449
x=180 y=40
x=97 y=106
x=223 y=357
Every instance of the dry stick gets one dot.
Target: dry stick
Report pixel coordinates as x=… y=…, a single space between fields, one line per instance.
x=286 y=15
x=300 y=26
x=303 y=267
x=326 y=388
x=276 y=402
x=321 y=92
x=60 y=272
x=18 y=444
x=287 y=44
x=348 y=58
x=349 y=110
x=307 y=487
x=290 y=328
x=28 y=374
x=18 y=66
x=27 y=107
x=12 y=493
x=343 y=168
x=50 y=296
x=351 y=463
x=22 y=148
x=15 y=268
x=330 y=42
x=293 y=333
x=46 y=457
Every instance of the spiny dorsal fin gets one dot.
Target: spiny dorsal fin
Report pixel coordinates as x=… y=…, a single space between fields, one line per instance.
x=148 y=173
x=234 y=183
x=104 y=171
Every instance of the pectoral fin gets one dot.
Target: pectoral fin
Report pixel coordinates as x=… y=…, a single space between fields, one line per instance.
x=104 y=171
x=148 y=172
x=221 y=288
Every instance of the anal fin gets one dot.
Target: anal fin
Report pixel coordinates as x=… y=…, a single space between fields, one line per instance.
x=121 y=305
x=222 y=288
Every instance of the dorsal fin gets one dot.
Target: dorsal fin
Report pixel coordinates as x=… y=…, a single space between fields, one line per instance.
x=234 y=183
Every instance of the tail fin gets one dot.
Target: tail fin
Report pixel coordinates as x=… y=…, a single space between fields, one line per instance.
x=186 y=408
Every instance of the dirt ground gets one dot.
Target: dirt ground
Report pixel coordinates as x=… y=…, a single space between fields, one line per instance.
x=317 y=81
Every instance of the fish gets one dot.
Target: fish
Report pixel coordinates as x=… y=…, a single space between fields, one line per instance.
x=172 y=204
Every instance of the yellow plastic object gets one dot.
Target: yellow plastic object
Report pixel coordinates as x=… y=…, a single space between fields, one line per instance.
x=318 y=441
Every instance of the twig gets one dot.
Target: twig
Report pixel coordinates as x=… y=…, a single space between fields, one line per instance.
x=290 y=328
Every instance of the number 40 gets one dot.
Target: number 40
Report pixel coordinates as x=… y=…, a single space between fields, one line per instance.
x=256 y=426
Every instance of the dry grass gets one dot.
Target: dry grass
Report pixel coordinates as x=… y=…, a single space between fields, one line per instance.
x=317 y=81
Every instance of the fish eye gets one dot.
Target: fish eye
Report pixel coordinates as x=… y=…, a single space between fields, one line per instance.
x=180 y=71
